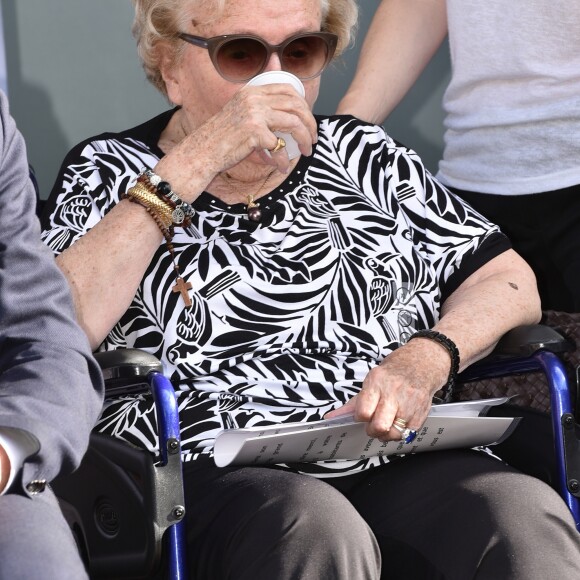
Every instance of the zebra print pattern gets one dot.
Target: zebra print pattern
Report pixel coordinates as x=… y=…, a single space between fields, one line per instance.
x=288 y=315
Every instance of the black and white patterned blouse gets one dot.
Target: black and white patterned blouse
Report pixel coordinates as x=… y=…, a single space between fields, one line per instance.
x=355 y=251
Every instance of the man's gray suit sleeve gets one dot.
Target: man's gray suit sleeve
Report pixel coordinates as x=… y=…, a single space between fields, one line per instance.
x=50 y=385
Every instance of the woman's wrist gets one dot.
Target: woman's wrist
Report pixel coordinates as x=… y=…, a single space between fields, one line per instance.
x=182 y=212
x=423 y=362
x=452 y=351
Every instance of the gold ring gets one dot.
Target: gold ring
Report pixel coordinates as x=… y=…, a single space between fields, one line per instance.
x=401 y=422
x=279 y=145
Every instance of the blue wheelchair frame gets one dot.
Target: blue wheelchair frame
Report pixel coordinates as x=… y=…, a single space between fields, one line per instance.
x=567 y=446
x=169 y=439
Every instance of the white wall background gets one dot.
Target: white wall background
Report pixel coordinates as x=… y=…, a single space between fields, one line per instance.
x=73 y=72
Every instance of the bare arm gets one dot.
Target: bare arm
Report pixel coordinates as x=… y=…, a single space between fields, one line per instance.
x=402 y=38
x=105 y=266
x=498 y=297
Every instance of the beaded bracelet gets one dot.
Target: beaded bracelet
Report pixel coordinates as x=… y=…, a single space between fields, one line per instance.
x=177 y=216
x=183 y=212
x=453 y=351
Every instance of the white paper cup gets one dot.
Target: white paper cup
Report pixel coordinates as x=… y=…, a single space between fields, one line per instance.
x=275 y=77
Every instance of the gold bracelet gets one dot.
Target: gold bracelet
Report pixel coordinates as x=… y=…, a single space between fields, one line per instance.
x=153 y=203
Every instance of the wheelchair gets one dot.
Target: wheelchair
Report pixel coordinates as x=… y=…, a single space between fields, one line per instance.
x=126 y=508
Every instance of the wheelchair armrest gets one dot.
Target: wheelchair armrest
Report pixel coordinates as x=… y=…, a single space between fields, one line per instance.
x=125 y=370
x=526 y=340
x=514 y=350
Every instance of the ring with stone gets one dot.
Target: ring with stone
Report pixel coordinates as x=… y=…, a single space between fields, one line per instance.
x=408 y=435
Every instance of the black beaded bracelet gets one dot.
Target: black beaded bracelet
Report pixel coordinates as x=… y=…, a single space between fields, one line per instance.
x=183 y=212
x=453 y=351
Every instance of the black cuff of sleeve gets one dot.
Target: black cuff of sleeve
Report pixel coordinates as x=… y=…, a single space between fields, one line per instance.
x=494 y=245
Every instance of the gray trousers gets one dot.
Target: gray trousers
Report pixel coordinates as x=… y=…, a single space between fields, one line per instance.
x=451 y=515
x=35 y=540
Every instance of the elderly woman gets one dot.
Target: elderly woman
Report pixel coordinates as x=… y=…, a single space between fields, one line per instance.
x=279 y=289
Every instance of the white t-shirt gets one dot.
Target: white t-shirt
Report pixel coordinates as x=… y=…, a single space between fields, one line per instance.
x=513 y=103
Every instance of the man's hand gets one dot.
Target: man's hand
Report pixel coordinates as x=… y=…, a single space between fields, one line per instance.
x=4 y=468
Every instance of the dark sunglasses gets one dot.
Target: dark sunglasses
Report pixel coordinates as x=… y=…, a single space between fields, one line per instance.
x=240 y=57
